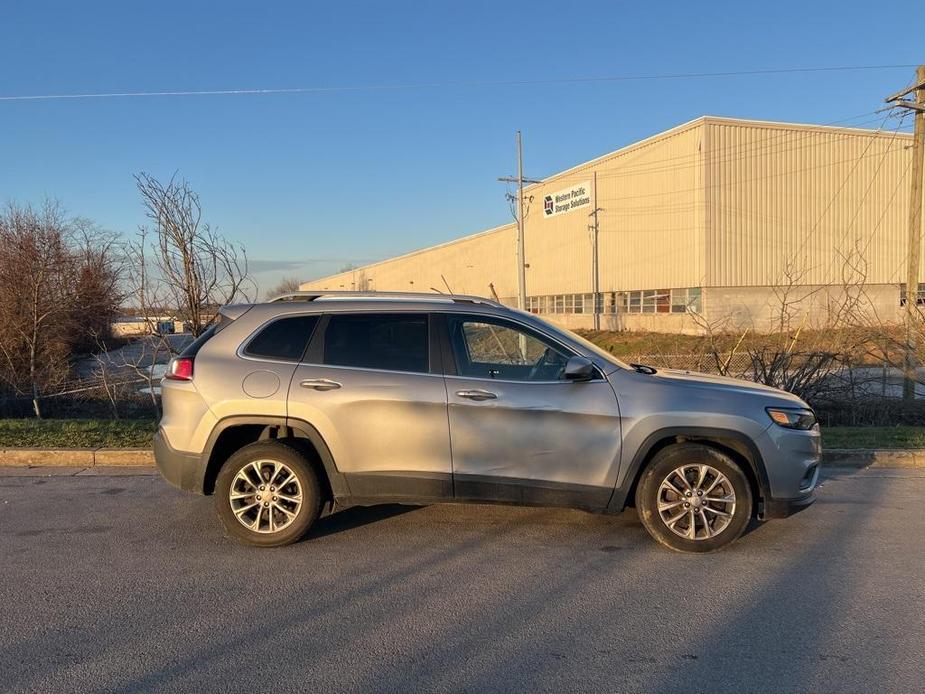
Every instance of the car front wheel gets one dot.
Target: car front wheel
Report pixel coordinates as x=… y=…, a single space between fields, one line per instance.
x=267 y=494
x=694 y=498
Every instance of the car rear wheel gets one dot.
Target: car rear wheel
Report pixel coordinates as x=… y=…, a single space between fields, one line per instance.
x=694 y=498
x=267 y=494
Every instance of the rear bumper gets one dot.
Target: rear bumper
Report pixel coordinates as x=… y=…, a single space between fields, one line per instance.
x=183 y=470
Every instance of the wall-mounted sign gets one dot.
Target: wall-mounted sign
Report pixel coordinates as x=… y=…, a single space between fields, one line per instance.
x=567 y=199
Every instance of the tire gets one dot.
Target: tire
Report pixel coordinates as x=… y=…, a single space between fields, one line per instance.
x=277 y=519
x=717 y=520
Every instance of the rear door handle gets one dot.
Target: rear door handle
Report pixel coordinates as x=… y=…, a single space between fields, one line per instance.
x=476 y=394
x=320 y=384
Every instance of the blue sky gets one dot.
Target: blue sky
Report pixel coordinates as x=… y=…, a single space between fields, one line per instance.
x=309 y=182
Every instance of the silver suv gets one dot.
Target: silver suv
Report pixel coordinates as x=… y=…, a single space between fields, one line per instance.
x=322 y=400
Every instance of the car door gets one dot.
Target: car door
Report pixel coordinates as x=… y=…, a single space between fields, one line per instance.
x=372 y=387
x=519 y=430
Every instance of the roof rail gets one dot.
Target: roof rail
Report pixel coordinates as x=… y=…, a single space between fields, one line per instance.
x=313 y=295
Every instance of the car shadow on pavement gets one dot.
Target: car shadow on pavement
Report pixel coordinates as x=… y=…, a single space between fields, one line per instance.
x=800 y=609
x=354 y=517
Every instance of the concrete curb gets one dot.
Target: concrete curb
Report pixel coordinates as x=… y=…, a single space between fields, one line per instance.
x=128 y=457
x=76 y=457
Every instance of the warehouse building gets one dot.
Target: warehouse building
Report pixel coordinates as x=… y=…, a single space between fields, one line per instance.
x=715 y=223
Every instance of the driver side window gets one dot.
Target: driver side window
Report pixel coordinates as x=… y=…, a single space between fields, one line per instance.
x=484 y=348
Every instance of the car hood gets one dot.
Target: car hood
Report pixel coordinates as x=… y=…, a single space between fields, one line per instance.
x=725 y=383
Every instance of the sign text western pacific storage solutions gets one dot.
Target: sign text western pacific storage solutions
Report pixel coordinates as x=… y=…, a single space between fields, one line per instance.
x=567 y=199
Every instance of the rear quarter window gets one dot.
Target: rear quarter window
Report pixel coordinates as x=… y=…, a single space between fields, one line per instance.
x=193 y=347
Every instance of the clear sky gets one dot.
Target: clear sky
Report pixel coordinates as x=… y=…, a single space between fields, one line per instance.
x=311 y=181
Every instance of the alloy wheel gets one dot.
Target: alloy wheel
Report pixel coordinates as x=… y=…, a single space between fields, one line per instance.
x=696 y=502
x=265 y=496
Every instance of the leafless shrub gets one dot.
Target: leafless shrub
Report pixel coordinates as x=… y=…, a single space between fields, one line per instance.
x=58 y=280
x=813 y=337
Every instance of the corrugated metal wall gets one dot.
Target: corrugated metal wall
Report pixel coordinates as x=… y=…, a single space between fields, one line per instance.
x=468 y=265
x=651 y=232
x=793 y=200
x=711 y=203
x=650 y=220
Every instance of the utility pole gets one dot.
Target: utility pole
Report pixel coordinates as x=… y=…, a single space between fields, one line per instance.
x=519 y=216
x=917 y=105
x=595 y=263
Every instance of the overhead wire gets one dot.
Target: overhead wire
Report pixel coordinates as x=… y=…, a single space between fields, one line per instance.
x=264 y=91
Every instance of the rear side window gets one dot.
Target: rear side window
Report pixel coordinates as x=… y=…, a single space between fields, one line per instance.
x=284 y=339
x=387 y=341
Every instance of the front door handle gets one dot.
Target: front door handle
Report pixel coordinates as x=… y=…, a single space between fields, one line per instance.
x=320 y=384
x=478 y=395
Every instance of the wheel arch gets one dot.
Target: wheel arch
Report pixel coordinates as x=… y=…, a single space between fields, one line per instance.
x=232 y=433
x=735 y=444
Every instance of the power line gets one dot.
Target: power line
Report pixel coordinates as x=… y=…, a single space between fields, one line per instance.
x=440 y=85
x=723 y=184
x=870 y=185
x=735 y=150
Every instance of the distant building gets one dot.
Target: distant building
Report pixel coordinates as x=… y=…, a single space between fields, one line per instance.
x=136 y=326
x=701 y=224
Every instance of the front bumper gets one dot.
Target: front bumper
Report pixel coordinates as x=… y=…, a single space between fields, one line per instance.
x=781 y=508
x=183 y=470
x=772 y=507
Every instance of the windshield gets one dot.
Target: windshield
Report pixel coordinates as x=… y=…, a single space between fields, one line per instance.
x=575 y=337
x=598 y=350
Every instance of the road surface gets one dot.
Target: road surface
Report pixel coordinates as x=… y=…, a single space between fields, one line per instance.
x=116 y=582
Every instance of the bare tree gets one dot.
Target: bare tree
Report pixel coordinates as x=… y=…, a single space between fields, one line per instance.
x=105 y=372
x=57 y=283
x=183 y=266
x=97 y=288
x=285 y=286
x=809 y=341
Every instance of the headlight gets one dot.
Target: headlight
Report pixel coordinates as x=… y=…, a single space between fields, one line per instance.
x=797 y=418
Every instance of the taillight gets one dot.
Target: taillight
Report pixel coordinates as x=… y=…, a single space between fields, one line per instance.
x=180 y=369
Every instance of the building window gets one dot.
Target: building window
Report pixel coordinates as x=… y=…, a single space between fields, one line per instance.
x=684 y=300
x=639 y=301
x=919 y=300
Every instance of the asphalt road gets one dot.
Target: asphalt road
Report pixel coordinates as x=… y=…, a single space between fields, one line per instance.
x=119 y=583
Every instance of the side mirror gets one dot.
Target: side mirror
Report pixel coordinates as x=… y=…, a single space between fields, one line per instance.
x=579 y=369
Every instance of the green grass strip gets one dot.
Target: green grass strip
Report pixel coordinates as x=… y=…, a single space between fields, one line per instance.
x=76 y=433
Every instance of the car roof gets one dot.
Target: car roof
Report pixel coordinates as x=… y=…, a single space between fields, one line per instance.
x=368 y=296
x=328 y=302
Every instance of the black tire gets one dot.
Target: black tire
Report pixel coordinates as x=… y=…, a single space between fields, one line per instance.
x=306 y=481
x=672 y=458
